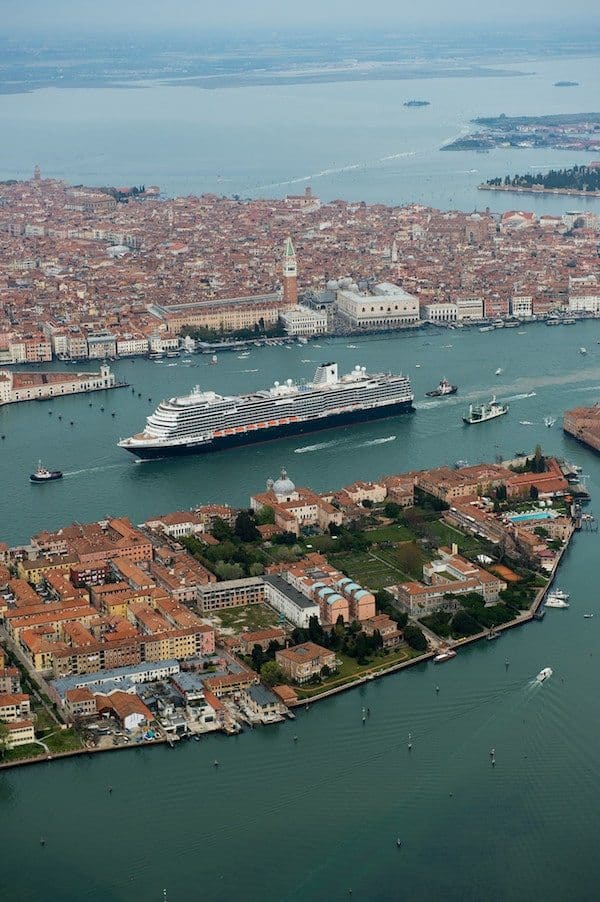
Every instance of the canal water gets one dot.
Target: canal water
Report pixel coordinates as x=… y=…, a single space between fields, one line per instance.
x=320 y=817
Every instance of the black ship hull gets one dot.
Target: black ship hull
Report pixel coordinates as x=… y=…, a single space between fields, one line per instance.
x=54 y=474
x=269 y=435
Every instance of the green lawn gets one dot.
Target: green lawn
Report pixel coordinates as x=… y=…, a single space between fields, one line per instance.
x=21 y=753
x=251 y=616
x=62 y=741
x=392 y=533
x=366 y=570
x=350 y=670
x=467 y=544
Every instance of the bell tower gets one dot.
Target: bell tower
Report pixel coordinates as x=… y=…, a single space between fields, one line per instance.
x=290 y=274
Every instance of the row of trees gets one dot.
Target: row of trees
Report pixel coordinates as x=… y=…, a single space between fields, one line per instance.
x=259 y=330
x=578 y=178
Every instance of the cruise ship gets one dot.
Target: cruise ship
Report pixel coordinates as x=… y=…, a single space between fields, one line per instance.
x=206 y=421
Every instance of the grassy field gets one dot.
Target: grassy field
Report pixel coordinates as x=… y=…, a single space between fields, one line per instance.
x=251 y=616
x=392 y=533
x=350 y=670
x=369 y=571
x=447 y=534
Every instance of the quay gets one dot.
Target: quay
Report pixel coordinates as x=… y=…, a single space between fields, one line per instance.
x=16 y=387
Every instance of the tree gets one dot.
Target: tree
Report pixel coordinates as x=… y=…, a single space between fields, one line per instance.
x=256 y=569
x=4 y=738
x=367 y=503
x=221 y=530
x=245 y=527
x=464 y=624
x=271 y=673
x=265 y=516
x=392 y=510
x=534 y=493
x=415 y=637
x=228 y=571
x=258 y=658
x=325 y=670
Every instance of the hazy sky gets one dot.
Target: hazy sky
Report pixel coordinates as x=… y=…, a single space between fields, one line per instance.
x=175 y=15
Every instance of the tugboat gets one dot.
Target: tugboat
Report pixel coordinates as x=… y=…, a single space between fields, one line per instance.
x=444 y=388
x=483 y=412
x=44 y=475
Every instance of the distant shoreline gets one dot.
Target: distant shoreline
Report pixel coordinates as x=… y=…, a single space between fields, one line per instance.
x=535 y=190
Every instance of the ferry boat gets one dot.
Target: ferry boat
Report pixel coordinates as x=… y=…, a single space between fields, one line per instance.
x=445 y=655
x=544 y=674
x=206 y=421
x=444 y=388
x=486 y=329
x=483 y=412
x=43 y=475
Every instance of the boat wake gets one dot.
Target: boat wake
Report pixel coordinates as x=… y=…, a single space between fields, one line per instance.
x=337 y=170
x=378 y=441
x=92 y=470
x=308 y=449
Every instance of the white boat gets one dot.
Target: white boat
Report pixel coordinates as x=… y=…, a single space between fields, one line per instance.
x=553 y=602
x=560 y=593
x=486 y=329
x=530 y=394
x=588 y=616
x=525 y=423
x=583 y=351
x=214 y=359
x=499 y=371
x=445 y=655
x=544 y=674
x=483 y=412
x=549 y=422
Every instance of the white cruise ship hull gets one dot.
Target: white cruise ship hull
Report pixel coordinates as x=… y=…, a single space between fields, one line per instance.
x=148 y=449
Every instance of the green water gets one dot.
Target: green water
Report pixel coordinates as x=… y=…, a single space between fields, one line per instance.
x=316 y=818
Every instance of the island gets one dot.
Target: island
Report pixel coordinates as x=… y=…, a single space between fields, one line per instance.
x=566 y=84
x=211 y=618
x=579 y=180
x=417 y=103
x=562 y=131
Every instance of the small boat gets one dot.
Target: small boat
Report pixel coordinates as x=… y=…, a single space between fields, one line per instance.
x=44 y=475
x=583 y=351
x=549 y=422
x=399 y=843
x=588 y=616
x=544 y=674
x=493 y=634
x=444 y=388
x=525 y=423
x=445 y=655
x=486 y=329
x=499 y=371
x=214 y=359
x=530 y=394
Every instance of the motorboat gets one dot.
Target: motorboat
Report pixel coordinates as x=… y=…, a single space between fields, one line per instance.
x=499 y=371
x=544 y=674
x=553 y=602
x=588 y=616
x=549 y=422
x=445 y=655
x=560 y=593
x=583 y=351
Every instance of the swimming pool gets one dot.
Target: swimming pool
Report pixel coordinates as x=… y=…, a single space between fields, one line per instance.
x=533 y=515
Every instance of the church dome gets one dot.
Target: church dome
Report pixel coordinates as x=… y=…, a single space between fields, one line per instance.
x=283 y=485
